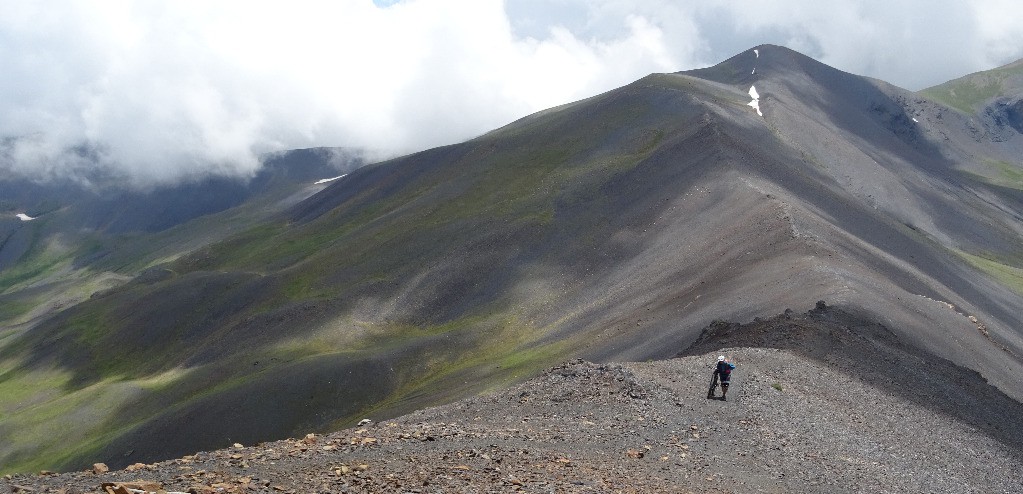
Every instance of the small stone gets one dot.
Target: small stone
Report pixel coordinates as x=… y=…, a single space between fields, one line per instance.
x=135 y=467
x=237 y=445
x=634 y=453
x=365 y=422
x=98 y=468
x=128 y=487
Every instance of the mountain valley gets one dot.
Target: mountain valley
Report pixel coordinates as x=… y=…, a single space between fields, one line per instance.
x=613 y=229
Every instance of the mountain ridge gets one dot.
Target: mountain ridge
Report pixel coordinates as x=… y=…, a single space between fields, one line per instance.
x=611 y=229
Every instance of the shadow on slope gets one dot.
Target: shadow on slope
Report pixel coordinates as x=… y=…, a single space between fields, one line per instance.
x=446 y=238
x=285 y=400
x=874 y=354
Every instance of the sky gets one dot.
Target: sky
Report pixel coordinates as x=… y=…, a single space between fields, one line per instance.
x=155 y=91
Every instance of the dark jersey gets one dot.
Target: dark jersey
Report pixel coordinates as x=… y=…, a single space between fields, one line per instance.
x=724 y=369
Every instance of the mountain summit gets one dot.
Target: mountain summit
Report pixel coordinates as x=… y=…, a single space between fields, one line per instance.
x=613 y=228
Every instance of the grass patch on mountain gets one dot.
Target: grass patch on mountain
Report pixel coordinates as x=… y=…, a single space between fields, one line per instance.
x=275 y=246
x=969 y=93
x=37 y=265
x=20 y=389
x=141 y=330
x=1010 y=276
x=965 y=96
x=506 y=350
x=1009 y=175
x=998 y=173
x=11 y=310
x=47 y=425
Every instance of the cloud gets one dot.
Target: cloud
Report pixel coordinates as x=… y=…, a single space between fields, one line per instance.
x=913 y=43
x=160 y=91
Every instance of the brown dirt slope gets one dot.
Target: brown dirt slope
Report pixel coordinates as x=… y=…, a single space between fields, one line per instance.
x=820 y=402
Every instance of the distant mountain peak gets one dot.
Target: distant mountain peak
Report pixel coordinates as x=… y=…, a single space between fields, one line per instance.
x=765 y=62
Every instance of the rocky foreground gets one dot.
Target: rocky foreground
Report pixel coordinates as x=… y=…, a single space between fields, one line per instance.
x=820 y=402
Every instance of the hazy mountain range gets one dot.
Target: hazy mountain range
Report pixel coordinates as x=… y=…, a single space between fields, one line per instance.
x=144 y=326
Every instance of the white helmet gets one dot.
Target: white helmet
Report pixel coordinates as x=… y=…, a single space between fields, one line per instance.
x=721 y=358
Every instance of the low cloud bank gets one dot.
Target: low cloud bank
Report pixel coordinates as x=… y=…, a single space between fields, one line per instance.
x=158 y=92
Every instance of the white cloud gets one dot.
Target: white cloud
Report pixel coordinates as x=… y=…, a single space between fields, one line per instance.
x=912 y=43
x=161 y=90
x=1001 y=22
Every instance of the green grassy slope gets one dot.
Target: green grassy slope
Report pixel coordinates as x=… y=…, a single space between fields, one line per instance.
x=970 y=93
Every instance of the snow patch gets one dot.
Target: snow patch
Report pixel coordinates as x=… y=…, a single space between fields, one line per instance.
x=756 y=100
x=325 y=180
x=915 y=120
x=754 y=71
x=24 y=217
x=756 y=52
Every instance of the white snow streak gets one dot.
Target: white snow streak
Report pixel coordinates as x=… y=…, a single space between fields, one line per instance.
x=756 y=100
x=24 y=217
x=325 y=180
x=915 y=120
x=757 y=53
